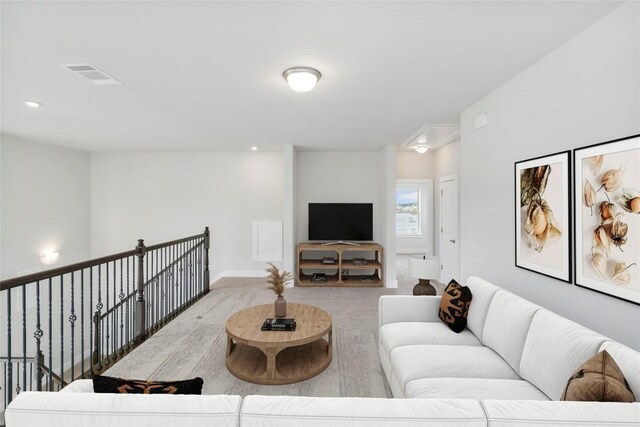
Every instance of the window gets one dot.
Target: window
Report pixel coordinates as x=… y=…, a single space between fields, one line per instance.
x=408 y=215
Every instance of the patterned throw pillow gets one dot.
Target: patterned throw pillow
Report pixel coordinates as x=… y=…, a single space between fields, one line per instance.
x=103 y=384
x=454 y=306
x=599 y=379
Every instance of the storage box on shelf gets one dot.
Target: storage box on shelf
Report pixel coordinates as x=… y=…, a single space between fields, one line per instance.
x=343 y=272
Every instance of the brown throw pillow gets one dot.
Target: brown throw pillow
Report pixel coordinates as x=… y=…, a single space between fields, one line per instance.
x=599 y=379
x=103 y=384
x=454 y=306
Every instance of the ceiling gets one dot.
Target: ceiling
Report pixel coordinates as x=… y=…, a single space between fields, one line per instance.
x=208 y=75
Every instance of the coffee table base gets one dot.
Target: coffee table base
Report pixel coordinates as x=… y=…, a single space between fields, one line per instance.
x=270 y=367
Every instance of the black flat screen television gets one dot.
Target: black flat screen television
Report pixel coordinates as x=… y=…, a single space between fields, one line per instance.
x=341 y=221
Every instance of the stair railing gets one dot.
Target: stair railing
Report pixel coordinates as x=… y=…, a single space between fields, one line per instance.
x=77 y=320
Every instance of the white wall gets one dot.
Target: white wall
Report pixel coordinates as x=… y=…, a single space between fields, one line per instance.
x=412 y=165
x=338 y=177
x=587 y=91
x=447 y=162
x=388 y=165
x=163 y=196
x=45 y=204
x=289 y=208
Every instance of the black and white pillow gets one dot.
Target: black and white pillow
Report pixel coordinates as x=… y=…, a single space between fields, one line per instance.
x=454 y=306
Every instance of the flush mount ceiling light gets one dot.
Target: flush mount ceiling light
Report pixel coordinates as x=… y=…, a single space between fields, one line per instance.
x=421 y=149
x=302 y=79
x=32 y=104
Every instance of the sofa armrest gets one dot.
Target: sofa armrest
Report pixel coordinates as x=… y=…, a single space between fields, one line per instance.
x=408 y=308
x=79 y=386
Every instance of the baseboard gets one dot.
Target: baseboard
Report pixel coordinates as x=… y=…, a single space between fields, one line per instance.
x=412 y=251
x=238 y=273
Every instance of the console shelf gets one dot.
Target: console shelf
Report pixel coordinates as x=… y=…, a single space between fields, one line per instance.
x=342 y=273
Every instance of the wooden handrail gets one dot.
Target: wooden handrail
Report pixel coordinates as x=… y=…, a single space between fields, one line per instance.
x=42 y=275
x=65 y=269
x=174 y=242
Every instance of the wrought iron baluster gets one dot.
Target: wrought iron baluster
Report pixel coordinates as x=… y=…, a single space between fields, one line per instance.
x=82 y=357
x=207 y=244
x=38 y=336
x=174 y=276
x=72 y=320
x=114 y=313
x=121 y=296
x=18 y=389
x=128 y=335
x=157 y=291
x=107 y=331
x=165 y=293
x=99 y=305
x=94 y=350
x=49 y=385
x=9 y=385
x=61 y=327
x=24 y=336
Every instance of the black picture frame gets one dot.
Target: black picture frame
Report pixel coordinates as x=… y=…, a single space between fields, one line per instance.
x=564 y=274
x=579 y=154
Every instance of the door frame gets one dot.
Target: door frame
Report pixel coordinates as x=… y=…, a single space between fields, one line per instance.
x=441 y=180
x=427 y=231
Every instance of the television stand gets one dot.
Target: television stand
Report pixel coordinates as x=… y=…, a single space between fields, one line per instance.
x=340 y=242
x=365 y=272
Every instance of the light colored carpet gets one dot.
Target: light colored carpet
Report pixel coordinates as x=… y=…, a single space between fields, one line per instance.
x=194 y=343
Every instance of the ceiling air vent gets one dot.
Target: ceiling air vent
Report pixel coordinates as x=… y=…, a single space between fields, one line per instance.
x=91 y=73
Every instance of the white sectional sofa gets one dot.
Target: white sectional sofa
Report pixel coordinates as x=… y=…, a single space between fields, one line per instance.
x=508 y=368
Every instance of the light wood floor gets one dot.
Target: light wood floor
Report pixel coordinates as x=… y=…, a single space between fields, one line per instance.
x=194 y=343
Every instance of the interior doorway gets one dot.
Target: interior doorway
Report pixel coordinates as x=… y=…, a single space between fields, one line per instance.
x=449 y=239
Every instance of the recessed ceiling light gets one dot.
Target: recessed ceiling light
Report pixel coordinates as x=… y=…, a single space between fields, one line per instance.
x=302 y=79
x=32 y=104
x=254 y=148
x=421 y=149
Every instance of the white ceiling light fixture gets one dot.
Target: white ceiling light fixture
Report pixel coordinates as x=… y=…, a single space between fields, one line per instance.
x=302 y=79
x=421 y=149
x=254 y=148
x=32 y=104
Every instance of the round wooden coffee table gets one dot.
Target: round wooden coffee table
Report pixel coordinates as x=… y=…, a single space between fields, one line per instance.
x=278 y=357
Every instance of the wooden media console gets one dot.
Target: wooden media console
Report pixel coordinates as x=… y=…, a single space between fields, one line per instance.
x=343 y=272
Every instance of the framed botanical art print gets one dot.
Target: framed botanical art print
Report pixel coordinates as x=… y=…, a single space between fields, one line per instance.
x=607 y=217
x=543 y=216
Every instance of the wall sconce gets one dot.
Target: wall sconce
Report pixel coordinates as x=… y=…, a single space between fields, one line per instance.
x=49 y=257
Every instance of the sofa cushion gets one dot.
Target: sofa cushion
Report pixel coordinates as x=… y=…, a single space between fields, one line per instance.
x=395 y=335
x=599 y=379
x=408 y=308
x=134 y=410
x=297 y=411
x=79 y=386
x=414 y=362
x=454 y=306
x=473 y=388
x=523 y=413
x=483 y=292
x=628 y=361
x=507 y=324
x=554 y=348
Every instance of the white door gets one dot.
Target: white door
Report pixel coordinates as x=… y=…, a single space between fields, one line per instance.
x=449 y=240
